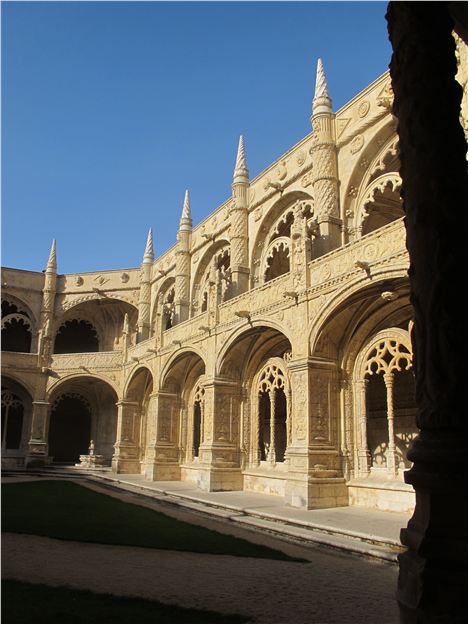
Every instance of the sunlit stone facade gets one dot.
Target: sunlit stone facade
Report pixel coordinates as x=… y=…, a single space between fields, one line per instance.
x=269 y=350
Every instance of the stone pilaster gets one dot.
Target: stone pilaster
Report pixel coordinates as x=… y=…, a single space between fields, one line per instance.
x=126 y=458
x=239 y=224
x=325 y=169
x=219 y=465
x=162 y=452
x=314 y=478
x=433 y=579
x=38 y=448
x=300 y=254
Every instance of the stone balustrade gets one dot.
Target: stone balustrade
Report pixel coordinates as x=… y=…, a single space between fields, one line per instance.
x=103 y=360
x=12 y=359
x=368 y=254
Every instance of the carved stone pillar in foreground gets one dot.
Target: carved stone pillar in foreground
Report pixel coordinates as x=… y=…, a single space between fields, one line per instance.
x=433 y=579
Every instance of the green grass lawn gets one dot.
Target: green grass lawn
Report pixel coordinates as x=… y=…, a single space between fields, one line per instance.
x=65 y=510
x=23 y=603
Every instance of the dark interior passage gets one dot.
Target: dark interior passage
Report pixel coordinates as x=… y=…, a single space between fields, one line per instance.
x=69 y=430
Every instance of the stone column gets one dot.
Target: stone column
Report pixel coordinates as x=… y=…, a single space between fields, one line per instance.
x=127 y=451
x=38 y=448
x=162 y=452
x=432 y=584
x=272 y=453
x=391 y=454
x=254 y=458
x=364 y=458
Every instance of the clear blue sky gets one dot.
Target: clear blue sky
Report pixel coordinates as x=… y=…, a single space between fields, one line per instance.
x=112 y=109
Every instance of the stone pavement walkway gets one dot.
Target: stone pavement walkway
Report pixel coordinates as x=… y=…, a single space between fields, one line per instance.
x=369 y=532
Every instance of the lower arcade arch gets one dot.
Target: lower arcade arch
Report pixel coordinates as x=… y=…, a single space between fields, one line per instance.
x=136 y=420
x=184 y=393
x=385 y=400
x=365 y=338
x=257 y=362
x=270 y=413
x=16 y=417
x=83 y=411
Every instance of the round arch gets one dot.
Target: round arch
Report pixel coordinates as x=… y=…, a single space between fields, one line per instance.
x=67 y=306
x=359 y=284
x=132 y=376
x=16 y=418
x=243 y=331
x=384 y=403
x=381 y=152
x=106 y=315
x=215 y=248
x=82 y=409
x=55 y=387
x=283 y=205
x=180 y=354
x=19 y=329
x=20 y=303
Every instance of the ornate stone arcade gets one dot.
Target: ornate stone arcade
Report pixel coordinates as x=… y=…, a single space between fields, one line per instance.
x=268 y=350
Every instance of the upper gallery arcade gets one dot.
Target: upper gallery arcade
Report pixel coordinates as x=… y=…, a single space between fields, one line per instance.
x=268 y=350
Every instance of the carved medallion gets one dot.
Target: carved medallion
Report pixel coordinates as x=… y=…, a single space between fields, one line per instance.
x=300 y=158
x=357 y=143
x=363 y=108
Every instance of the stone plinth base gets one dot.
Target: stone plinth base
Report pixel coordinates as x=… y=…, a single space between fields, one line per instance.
x=266 y=479
x=213 y=479
x=384 y=495
x=162 y=472
x=14 y=462
x=126 y=466
x=316 y=492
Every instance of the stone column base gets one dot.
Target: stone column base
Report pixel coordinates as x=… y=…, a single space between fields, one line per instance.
x=316 y=492
x=162 y=471
x=37 y=455
x=213 y=479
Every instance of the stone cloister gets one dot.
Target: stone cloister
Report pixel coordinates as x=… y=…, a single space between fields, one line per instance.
x=269 y=350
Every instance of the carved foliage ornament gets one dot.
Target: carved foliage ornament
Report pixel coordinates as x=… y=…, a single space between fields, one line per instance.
x=388 y=356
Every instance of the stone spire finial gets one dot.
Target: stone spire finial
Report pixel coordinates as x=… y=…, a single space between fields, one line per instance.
x=241 y=173
x=322 y=102
x=186 y=217
x=149 y=253
x=52 y=262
